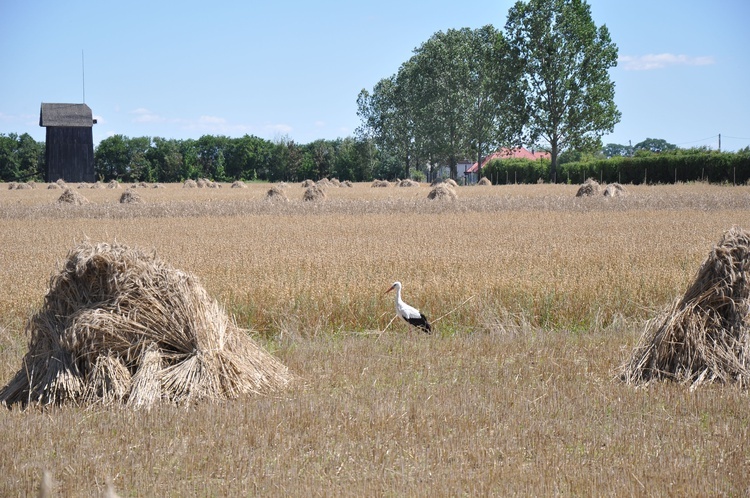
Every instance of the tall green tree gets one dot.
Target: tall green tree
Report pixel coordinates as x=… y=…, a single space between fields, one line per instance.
x=10 y=165
x=211 y=152
x=565 y=60
x=613 y=150
x=21 y=157
x=455 y=98
x=441 y=79
x=388 y=116
x=166 y=160
x=467 y=99
x=494 y=110
x=286 y=158
x=655 y=145
x=122 y=158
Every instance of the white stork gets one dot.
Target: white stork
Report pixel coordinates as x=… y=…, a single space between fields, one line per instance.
x=412 y=315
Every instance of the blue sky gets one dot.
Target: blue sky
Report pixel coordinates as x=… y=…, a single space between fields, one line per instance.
x=294 y=69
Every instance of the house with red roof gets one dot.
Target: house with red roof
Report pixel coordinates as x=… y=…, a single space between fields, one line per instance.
x=506 y=153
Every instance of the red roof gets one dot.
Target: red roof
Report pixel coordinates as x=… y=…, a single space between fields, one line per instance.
x=505 y=153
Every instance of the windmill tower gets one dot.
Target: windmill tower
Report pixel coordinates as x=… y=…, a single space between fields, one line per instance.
x=70 y=143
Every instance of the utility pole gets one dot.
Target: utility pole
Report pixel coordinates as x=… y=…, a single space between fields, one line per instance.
x=719 y=142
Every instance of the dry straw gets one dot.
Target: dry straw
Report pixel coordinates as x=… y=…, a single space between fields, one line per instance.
x=130 y=196
x=702 y=337
x=21 y=186
x=381 y=183
x=120 y=325
x=484 y=181
x=589 y=188
x=275 y=193
x=308 y=183
x=238 y=184
x=314 y=193
x=113 y=184
x=442 y=191
x=206 y=183
x=70 y=196
x=615 y=190
x=408 y=183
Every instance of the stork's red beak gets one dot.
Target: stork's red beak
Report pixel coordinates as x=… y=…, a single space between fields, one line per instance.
x=389 y=289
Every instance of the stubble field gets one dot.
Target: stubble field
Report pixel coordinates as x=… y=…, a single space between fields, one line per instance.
x=539 y=297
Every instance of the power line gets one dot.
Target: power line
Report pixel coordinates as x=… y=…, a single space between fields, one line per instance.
x=696 y=141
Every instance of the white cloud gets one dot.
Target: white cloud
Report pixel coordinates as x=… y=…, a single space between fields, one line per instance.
x=320 y=124
x=143 y=115
x=659 y=61
x=27 y=119
x=280 y=128
x=212 y=120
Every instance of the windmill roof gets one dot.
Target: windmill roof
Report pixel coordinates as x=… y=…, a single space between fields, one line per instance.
x=65 y=115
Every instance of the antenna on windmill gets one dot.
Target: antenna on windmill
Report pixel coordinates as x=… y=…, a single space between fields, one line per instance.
x=83 y=77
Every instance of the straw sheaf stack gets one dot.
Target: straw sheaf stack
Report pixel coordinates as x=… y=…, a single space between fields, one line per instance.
x=276 y=193
x=484 y=181
x=589 y=188
x=615 y=190
x=314 y=193
x=704 y=336
x=408 y=183
x=442 y=191
x=130 y=196
x=70 y=196
x=120 y=325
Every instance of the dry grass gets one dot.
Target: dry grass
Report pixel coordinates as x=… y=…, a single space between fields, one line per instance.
x=515 y=394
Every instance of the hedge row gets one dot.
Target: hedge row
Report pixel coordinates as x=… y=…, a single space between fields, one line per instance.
x=680 y=166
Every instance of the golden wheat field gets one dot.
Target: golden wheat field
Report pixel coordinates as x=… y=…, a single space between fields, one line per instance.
x=537 y=299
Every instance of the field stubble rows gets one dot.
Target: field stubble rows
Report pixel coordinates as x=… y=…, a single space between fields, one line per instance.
x=515 y=393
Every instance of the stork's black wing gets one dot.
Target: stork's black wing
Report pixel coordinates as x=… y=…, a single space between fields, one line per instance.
x=420 y=323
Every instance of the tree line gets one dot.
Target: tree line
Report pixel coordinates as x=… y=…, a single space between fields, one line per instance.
x=220 y=158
